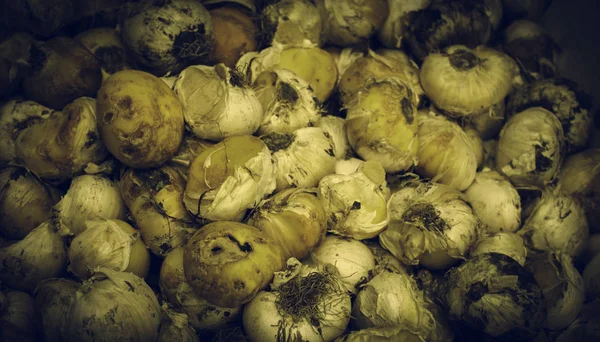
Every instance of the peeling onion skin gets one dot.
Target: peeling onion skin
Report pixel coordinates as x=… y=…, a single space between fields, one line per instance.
x=140 y=119
x=167 y=36
x=509 y=244
x=227 y=262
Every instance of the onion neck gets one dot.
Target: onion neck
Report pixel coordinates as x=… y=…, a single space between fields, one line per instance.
x=464 y=60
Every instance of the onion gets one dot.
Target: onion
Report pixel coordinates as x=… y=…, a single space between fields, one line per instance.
x=106 y=45
x=586 y=327
x=88 y=197
x=40 y=255
x=530 y=148
x=392 y=333
x=591 y=278
x=352 y=258
x=18 y=312
x=430 y=224
x=114 y=305
x=53 y=298
x=217 y=103
x=509 y=244
x=166 y=37
x=25 y=202
x=495 y=201
x=174 y=326
x=336 y=128
x=556 y=224
x=235 y=34
x=292 y=22
x=489 y=123
x=394 y=28
x=384 y=260
x=355 y=204
x=493 y=293
x=476 y=143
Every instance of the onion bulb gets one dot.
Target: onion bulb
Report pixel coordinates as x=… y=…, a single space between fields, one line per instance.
x=430 y=224
x=294 y=218
x=493 y=293
x=18 y=316
x=175 y=326
x=355 y=204
x=384 y=260
x=465 y=82
x=25 y=202
x=489 y=123
x=228 y=263
x=476 y=143
x=389 y=333
x=155 y=200
x=105 y=43
x=556 y=224
x=301 y=159
x=382 y=122
x=562 y=286
x=217 y=102
x=235 y=34
x=495 y=201
x=445 y=153
x=287 y=101
x=88 y=197
x=530 y=148
x=169 y=36
x=53 y=298
x=509 y=244
x=304 y=304
x=292 y=23
x=352 y=258
x=42 y=254
x=586 y=327
x=393 y=30
x=112 y=244
x=228 y=178
x=335 y=126
x=113 y=305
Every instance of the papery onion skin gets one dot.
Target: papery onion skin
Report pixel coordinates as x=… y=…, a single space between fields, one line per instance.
x=393 y=29
x=53 y=298
x=227 y=263
x=531 y=148
x=174 y=326
x=235 y=34
x=585 y=327
x=509 y=244
x=18 y=310
x=292 y=22
x=113 y=305
x=105 y=43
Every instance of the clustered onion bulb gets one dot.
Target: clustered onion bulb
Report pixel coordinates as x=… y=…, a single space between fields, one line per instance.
x=579 y=176
x=556 y=224
x=382 y=122
x=217 y=102
x=393 y=29
x=445 y=153
x=42 y=254
x=25 y=202
x=530 y=148
x=106 y=45
x=63 y=144
x=167 y=37
x=352 y=258
x=292 y=22
x=302 y=158
x=154 y=198
x=335 y=126
x=286 y=100
x=304 y=304
x=293 y=218
x=356 y=204
x=228 y=178
x=493 y=293
x=228 y=263
x=463 y=82
x=562 y=286
x=202 y=315
x=430 y=224
x=114 y=305
x=143 y=130
x=174 y=326
x=351 y=22
x=112 y=244
x=88 y=197
x=447 y=23
x=495 y=201
x=507 y=243
x=392 y=299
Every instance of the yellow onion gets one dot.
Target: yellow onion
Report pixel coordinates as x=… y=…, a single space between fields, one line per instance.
x=217 y=102
x=476 y=143
x=88 y=197
x=53 y=298
x=391 y=333
x=106 y=45
x=228 y=263
x=344 y=57
x=585 y=327
x=292 y=22
x=113 y=244
x=25 y=202
x=393 y=29
x=382 y=122
x=294 y=218
x=507 y=243
x=202 y=315
x=174 y=326
x=355 y=204
x=155 y=200
x=113 y=305
x=18 y=315
x=62 y=145
x=384 y=260
x=489 y=123
x=236 y=33
x=302 y=158
x=335 y=126
x=430 y=224
x=352 y=258
x=42 y=254
x=228 y=178
x=445 y=153
x=464 y=82
x=303 y=304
